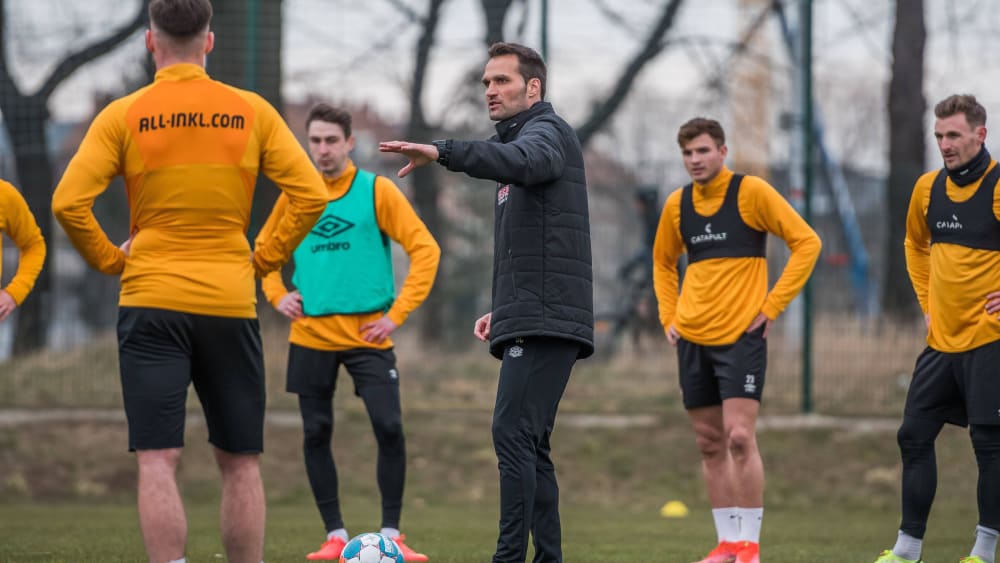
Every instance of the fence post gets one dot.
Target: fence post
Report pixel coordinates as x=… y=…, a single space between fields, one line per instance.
x=805 y=60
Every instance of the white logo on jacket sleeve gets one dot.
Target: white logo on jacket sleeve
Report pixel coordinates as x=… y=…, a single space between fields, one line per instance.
x=503 y=192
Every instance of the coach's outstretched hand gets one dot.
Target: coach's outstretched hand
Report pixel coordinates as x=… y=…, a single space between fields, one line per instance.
x=418 y=154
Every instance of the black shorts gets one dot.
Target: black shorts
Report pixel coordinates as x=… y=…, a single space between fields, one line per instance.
x=161 y=352
x=959 y=388
x=711 y=374
x=313 y=373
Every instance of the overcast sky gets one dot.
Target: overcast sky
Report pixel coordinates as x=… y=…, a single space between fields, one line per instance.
x=362 y=51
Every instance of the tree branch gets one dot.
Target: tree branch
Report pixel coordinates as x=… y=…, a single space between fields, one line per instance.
x=424 y=44
x=406 y=11
x=7 y=86
x=651 y=48
x=72 y=62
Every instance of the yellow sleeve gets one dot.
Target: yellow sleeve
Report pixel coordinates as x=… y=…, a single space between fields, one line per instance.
x=272 y=284
x=767 y=210
x=95 y=164
x=917 y=244
x=285 y=162
x=397 y=219
x=667 y=249
x=24 y=232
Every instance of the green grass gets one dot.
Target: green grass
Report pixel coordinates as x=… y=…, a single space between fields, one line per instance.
x=108 y=533
x=67 y=491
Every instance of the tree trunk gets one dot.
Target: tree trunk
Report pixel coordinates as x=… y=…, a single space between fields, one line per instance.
x=906 y=149
x=35 y=180
x=495 y=12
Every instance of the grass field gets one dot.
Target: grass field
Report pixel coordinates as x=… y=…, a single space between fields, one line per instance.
x=108 y=533
x=622 y=446
x=67 y=491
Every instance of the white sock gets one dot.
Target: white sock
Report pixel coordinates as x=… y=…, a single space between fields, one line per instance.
x=391 y=533
x=986 y=544
x=181 y=560
x=339 y=533
x=727 y=523
x=908 y=547
x=750 y=523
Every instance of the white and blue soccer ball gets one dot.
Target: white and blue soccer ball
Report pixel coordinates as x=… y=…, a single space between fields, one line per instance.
x=371 y=548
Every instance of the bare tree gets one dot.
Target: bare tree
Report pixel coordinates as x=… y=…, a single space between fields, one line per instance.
x=25 y=116
x=906 y=147
x=651 y=48
x=426 y=188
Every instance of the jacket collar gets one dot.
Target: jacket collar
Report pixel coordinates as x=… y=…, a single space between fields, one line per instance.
x=181 y=71
x=508 y=128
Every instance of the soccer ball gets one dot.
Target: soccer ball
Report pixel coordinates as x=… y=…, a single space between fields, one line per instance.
x=371 y=548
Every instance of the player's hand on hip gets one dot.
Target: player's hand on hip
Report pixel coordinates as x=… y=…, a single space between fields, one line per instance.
x=126 y=246
x=291 y=305
x=482 y=328
x=993 y=303
x=672 y=335
x=758 y=321
x=377 y=331
x=7 y=305
x=419 y=154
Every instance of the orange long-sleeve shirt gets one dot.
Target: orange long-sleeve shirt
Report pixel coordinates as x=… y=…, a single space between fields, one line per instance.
x=951 y=281
x=397 y=219
x=721 y=296
x=17 y=222
x=189 y=148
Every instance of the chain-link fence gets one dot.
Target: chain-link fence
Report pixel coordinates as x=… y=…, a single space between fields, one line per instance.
x=626 y=74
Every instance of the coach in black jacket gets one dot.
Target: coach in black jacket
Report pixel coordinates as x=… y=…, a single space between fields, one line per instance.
x=543 y=315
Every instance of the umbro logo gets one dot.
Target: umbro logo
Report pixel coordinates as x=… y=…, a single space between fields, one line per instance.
x=393 y=374
x=515 y=352
x=330 y=226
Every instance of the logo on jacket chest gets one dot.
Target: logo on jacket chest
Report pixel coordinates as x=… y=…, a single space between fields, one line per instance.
x=328 y=227
x=503 y=192
x=946 y=225
x=708 y=236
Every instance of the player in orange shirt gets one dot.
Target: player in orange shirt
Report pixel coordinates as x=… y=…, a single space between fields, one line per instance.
x=350 y=323
x=190 y=149
x=720 y=321
x=17 y=223
x=953 y=259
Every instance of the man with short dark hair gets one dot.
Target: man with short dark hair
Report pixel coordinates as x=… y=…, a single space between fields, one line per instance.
x=542 y=319
x=720 y=321
x=953 y=258
x=349 y=322
x=190 y=149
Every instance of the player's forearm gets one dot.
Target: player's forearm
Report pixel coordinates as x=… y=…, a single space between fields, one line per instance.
x=273 y=287
x=32 y=257
x=805 y=252
x=424 y=260
x=918 y=266
x=296 y=222
x=86 y=235
x=665 y=280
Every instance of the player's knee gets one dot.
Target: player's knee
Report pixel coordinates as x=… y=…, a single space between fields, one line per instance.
x=710 y=443
x=510 y=437
x=165 y=460
x=741 y=442
x=388 y=431
x=316 y=433
x=986 y=443
x=915 y=436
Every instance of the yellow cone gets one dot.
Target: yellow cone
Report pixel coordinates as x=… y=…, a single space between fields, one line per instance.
x=674 y=509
